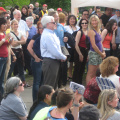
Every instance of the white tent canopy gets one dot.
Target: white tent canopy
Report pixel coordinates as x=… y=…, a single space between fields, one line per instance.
x=103 y=3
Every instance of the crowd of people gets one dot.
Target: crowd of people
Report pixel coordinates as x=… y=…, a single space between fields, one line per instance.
x=55 y=47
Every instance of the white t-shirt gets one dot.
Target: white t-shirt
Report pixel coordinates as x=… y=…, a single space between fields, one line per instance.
x=116 y=116
x=15 y=39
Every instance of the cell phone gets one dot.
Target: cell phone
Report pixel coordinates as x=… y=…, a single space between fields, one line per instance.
x=75 y=86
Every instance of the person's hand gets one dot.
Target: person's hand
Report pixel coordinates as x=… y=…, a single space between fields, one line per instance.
x=14 y=58
x=77 y=97
x=7 y=36
x=103 y=55
x=38 y=59
x=113 y=46
x=65 y=39
x=64 y=60
x=115 y=29
x=81 y=58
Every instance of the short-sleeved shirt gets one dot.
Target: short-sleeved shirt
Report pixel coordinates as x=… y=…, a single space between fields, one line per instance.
x=15 y=39
x=116 y=116
x=12 y=107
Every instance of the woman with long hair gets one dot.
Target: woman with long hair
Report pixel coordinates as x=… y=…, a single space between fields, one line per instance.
x=70 y=28
x=36 y=60
x=81 y=51
x=43 y=100
x=108 y=69
x=18 y=41
x=24 y=12
x=108 y=36
x=107 y=102
x=12 y=106
x=96 y=53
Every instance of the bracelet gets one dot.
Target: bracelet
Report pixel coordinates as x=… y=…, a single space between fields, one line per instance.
x=76 y=105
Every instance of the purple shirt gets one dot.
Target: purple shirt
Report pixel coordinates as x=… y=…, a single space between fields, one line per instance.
x=97 y=42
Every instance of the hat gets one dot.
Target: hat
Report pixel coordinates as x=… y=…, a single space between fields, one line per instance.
x=2 y=9
x=44 y=5
x=59 y=9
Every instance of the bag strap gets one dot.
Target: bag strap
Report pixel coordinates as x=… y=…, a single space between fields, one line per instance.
x=81 y=33
x=15 y=35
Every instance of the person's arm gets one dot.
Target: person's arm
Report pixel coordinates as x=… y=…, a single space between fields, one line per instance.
x=23 y=118
x=4 y=39
x=13 y=55
x=91 y=35
x=103 y=34
x=29 y=48
x=113 y=39
x=77 y=39
x=21 y=42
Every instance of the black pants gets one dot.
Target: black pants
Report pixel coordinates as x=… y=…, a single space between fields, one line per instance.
x=50 y=69
x=79 y=67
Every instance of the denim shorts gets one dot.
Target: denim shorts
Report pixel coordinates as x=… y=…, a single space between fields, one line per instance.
x=94 y=58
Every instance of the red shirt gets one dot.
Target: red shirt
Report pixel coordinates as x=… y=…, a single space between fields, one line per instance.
x=3 y=47
x=82 y=42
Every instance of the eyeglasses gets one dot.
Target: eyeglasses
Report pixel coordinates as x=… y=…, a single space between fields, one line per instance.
x=118 y=10
x=53 y=22
x=84 y=23
x=21 y=84
x=85 y=14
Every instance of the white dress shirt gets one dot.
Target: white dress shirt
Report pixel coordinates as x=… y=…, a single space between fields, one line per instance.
x=50 y=45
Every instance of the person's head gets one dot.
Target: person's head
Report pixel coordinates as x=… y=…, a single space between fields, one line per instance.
x=59 y=10
x=36 y=4
x=108 y=11
x=89 y=112
x=55 y=15
x=31 y=6
x=117 y=12
x=17 y=15
x=39 y=27
x=61 y=17
x=65 y=98
x=16 y=7
x=13 y=84
x=44 y=7
x=30 y=9
x=99 y=14
x=107 y=101
x=4 y=14
x=98 y=9
x=50 y=10
x=83 y=24
x=48 y=22
x=14 y=24
x=8 y=22
x=85 y=14
x=30 y=21
x=3 y=24
x=90 y=11
x=66 y=15
x=72 y=20
x=111 y=25
x=109 y=66
x=24 y=10
x=94 y=23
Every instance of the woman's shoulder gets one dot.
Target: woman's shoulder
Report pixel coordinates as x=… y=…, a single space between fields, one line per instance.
x=115 y=116
x=91 y=32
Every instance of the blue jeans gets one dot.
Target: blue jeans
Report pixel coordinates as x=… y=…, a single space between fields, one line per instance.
x=37 y=77
x=3 y=62
x=20 y=67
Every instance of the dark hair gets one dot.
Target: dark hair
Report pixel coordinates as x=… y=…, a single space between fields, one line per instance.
x=85 y=11
x=109 y=26
x=54 y=96
x=64 y=97
x=89 y=112
x=69 y=19
x=43 y=90
x=98 y=72
x=25 y=8
x=107 y=8
x=81 y=22
x=3 y=14
x=2 y=21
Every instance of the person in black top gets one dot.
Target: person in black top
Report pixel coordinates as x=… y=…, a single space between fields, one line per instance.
x=105 y=17
x=24 y=12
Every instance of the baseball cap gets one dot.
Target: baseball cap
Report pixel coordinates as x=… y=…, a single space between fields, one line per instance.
x=44 y=5
x=59 y=9
x=2 y=9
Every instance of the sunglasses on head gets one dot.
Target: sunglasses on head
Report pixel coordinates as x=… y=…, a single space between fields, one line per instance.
x=21 y=84
x=84 y=23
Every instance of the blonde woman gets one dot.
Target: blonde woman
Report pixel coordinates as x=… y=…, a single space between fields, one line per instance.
x=108 y=69
x=18 y=41
x=107 y=101
x=96 y=53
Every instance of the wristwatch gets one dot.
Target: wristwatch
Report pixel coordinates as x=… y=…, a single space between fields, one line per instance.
x=3 y=40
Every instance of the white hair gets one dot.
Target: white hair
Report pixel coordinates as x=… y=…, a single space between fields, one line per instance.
x=16 y=11
x=46 y=19
x=51 y=10
x=32 y=5
x=31 y=19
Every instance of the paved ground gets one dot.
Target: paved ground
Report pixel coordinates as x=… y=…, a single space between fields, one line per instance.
x=27 y=97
